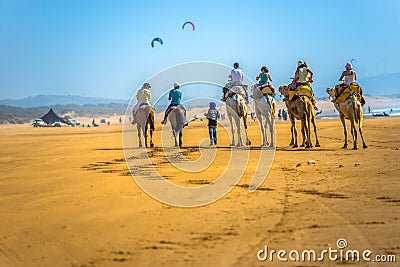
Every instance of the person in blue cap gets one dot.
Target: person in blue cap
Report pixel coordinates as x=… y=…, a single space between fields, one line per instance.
x=212 y=115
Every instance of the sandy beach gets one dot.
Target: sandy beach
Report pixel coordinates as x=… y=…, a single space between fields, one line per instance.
x=67 y=199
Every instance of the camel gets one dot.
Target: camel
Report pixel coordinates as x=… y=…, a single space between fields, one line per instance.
x=264 y=109
x=350 y=109
x=301 y=109
x=177 y=119
x=145 y=118
x=236 y=110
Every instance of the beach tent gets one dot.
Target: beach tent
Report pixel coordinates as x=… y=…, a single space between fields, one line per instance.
x=52 y=117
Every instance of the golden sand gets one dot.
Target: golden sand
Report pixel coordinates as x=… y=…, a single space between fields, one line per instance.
x=68 y=199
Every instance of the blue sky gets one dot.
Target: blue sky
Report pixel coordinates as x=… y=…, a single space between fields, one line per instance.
x=102 y=48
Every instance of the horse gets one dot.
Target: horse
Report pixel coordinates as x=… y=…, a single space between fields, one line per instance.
x=177 y=119
x=236 y=110
x=301 y=109
x=350 y=109
x=145 y=118
x=264 y=109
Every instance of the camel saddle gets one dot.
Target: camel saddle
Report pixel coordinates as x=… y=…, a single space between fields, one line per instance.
x=266 y=89
x=349 y=90
x=301 y=90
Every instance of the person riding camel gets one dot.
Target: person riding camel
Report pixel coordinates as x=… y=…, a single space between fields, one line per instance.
x=236 y=79
x=303 y=76
x=175 y=96
x=264 y=82
x=348 y=77
x=143 y=96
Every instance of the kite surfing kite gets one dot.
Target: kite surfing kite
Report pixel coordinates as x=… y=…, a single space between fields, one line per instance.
x=158 y=39
x=353 y=60
x=187 y=22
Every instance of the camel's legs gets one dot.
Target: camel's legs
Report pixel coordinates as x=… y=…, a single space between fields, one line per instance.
x=260 y=121
x=303 y=130
x=308 y=128
x=232 y=130
x=294 y=132
x=353 y=132
x=343 y=120
x=270 y=121
x=361 y=132
x=180 y=138
x=315 y=131
x=240 y=142
x=245 y=130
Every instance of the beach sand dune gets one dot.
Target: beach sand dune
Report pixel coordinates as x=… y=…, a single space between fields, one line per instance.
x=67 y=198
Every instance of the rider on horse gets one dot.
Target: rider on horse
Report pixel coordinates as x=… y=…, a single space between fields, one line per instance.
x=143 y=96
x=175 y=96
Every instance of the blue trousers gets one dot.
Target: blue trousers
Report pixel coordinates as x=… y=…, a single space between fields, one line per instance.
x=212 y=130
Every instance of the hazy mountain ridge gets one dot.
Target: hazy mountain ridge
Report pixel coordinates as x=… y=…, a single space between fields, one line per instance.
x=16 y=115
x=50 y=100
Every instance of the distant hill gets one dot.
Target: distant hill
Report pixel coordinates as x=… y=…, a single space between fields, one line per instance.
x=16 y=115
x=385 y=84
x=50 y=100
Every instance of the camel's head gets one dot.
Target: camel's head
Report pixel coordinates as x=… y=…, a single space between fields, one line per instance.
x=284 y=90
x=255 y=91
x=331 y=92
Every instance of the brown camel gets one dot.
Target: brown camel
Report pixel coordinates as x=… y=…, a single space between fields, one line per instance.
x=350 y=109
x=145 y=118
x=302 y=109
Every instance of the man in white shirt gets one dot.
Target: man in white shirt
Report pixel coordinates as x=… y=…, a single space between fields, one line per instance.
x=236 y=79
x=236 y=75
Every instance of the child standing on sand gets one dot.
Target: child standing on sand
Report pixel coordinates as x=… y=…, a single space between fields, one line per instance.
x=212 y=115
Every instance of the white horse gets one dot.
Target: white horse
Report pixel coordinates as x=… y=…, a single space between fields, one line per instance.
x=236 y=110
x=264 y=109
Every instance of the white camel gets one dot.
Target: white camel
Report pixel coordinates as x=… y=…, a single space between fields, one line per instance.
x=236 y=110
x=264 y=109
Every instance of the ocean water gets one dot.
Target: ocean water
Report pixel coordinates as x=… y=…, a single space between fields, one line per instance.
x=391 y=111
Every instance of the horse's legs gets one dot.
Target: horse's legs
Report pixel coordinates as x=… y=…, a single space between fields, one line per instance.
x=343 y=120
x=174 y=134
x=145 y=134
x=139 y=132
x=151 y=137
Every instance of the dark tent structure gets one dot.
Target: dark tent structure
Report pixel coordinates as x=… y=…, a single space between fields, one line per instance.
x=52 y=117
